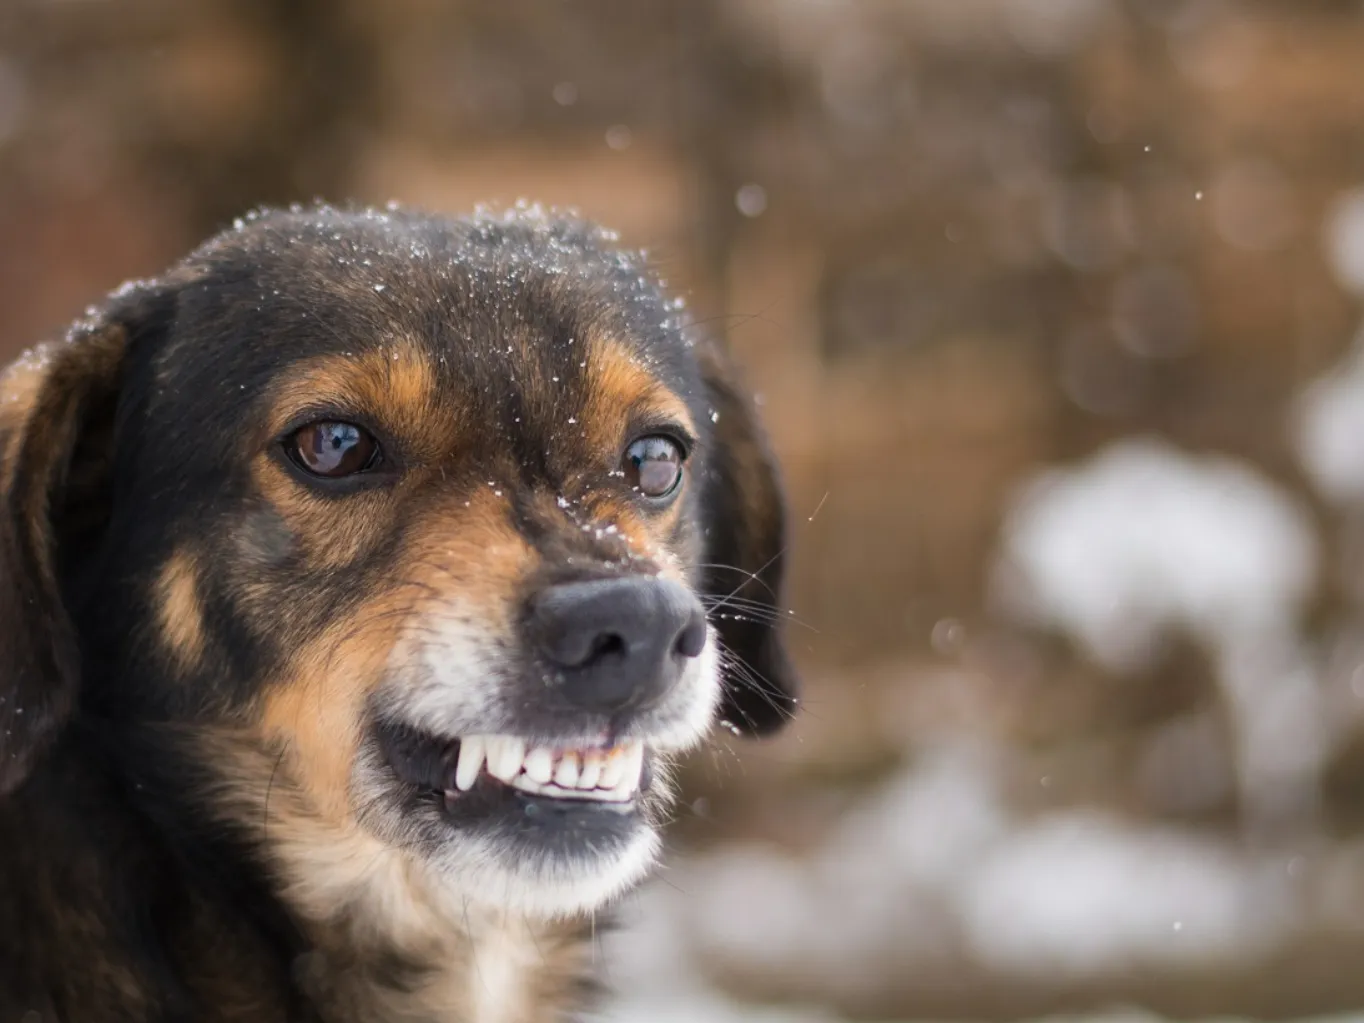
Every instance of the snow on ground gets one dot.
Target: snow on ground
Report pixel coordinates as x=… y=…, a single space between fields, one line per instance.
x=1329 y=418
x=1145 y=538
x=1328 y=423
x=1344 y=239
x=1080 y=895
x=930 y=865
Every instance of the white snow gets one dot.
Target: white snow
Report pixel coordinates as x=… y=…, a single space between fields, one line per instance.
x=1328 y=423
x=1344 y=238
x=1144 y=537
x=928 y=866
x=1079 y=895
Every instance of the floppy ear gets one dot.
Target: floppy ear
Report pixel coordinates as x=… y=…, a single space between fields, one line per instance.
x=745 y=547
x=57 y=407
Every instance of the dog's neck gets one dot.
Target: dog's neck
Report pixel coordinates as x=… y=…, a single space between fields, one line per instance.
x=490 y=968
x=390 y=945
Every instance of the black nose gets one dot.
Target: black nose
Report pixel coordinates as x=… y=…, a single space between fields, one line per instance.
x=617 y=643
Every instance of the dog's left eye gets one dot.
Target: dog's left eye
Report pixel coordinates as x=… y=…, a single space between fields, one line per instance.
x=332 y=449
x=653 y=466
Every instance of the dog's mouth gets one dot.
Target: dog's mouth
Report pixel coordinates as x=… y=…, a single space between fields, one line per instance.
x=460 y=770
x=608 y=774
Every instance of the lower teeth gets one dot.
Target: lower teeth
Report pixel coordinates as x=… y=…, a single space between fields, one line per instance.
x=524 y=784
x=558 y=792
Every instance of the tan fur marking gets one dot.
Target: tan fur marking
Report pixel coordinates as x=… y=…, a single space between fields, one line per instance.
x=472 y=554
x=395 y=384
x=180 y=611
x=317 y=709
x=19 y=387
x=622 y=387
x=316 y=712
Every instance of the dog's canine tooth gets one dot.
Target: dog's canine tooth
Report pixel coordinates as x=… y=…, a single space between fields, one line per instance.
x=634 y=765
x=540 y=765
x=591 y=770
x=505 y=753
x=566 y=775
x=472 y=750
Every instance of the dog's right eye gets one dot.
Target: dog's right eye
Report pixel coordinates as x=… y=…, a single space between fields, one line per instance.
x=332 y=449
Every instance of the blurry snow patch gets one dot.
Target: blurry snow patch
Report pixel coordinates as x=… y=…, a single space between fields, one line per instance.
x=931 y=869
x=1329 y=422
x=876 y=896
x=1283 y=733
x=1344 y=239
x=1080 y=895
x=1145 y=537
x=882 y=885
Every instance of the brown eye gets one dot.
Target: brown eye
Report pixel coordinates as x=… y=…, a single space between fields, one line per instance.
x=653 y=466
x=332 y=449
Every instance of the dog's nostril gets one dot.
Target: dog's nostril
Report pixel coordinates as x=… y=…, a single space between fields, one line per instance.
x=691 y=640
x=606 y=645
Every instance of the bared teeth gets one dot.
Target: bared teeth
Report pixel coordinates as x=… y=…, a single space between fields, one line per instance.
x=610 y=775
x=613 y=769
x=471 y=753
x=591 y=772
x=539 y=765
x=566 y=775
x=505 y=753
x=631 y=770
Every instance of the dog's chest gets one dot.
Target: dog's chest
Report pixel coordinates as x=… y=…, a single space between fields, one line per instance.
x=396 y=956
x=498 y=982
x=491 y=983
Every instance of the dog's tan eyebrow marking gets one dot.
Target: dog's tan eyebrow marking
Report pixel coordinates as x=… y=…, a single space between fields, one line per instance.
x=393 y=384
x=621 y=388
x=180 y=610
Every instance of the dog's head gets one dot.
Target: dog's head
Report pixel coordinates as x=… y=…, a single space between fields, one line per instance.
x=446 y=531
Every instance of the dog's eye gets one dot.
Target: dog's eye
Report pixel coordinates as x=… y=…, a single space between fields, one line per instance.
x=332 y=449
x=653 y=466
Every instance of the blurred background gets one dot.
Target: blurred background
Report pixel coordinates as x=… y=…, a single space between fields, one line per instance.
x=1054 y=309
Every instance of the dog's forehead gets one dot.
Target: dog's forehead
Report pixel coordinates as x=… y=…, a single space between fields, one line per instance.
x=521 y=298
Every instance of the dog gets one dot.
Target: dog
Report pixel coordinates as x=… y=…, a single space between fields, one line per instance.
x=360 y=578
